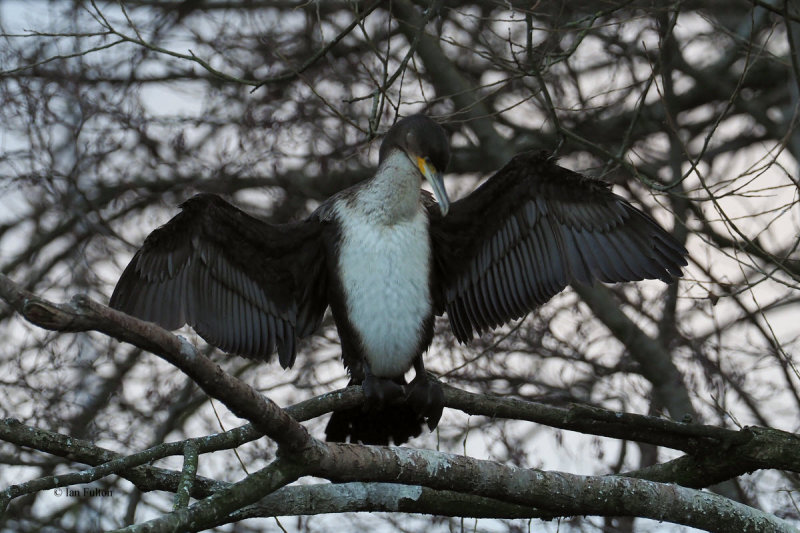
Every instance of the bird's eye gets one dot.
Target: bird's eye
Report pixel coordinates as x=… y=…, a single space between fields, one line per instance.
x=411 y=139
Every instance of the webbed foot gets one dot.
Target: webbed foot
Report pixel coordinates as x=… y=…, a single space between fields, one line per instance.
x=426 y=397
x=380 y=392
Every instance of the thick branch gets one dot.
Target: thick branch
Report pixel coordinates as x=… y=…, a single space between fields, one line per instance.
x=378 y=497
x=84 y=314
x=768 y=448
x=557 y=492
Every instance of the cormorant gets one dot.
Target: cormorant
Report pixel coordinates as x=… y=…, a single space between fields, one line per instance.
x=387 y=258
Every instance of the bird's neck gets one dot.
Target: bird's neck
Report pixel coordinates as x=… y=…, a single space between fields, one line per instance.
x=393 y=194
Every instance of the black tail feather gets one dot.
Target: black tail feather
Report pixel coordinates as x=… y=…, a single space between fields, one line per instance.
x=395 y=422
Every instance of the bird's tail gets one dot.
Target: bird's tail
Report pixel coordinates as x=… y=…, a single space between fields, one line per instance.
x=396 y=422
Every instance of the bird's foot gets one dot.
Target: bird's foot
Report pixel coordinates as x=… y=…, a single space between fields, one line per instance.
x=426 y=397
x=380 y=391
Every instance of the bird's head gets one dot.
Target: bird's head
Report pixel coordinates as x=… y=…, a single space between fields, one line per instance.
x=425 y=143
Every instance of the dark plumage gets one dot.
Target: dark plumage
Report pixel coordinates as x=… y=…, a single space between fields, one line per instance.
x=385 y=249
x=225 y=273
x=531 y=229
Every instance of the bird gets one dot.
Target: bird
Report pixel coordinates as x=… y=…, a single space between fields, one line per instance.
x=387 y=257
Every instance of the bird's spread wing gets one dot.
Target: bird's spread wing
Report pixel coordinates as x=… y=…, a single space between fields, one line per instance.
x=531 y=229
x=245 y=286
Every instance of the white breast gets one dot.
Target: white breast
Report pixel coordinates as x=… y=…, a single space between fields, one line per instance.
x=385 y=270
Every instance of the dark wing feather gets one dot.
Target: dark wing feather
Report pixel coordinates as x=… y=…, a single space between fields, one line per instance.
x=531 y=229
x=245 y=286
